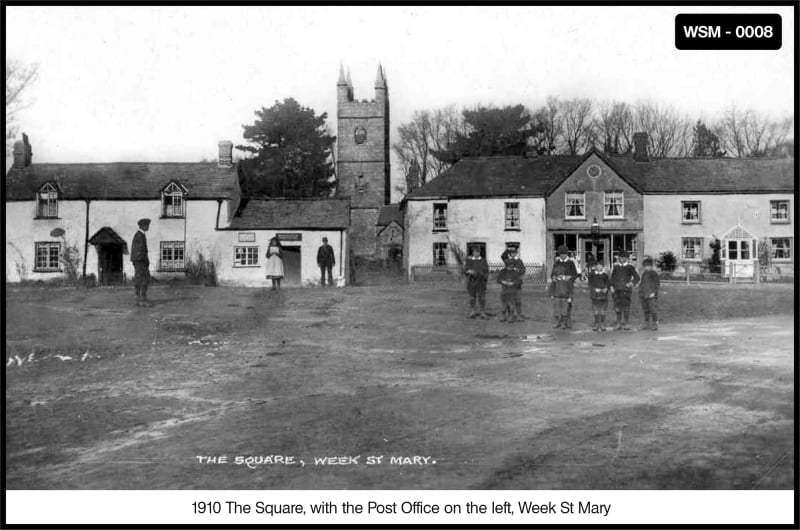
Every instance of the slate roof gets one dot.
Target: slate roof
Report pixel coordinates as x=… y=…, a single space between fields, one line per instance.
x=499 y=176
x=121 y=180
x=389 y=213
x=518 y=176
x=708 y=175
x=266 y=214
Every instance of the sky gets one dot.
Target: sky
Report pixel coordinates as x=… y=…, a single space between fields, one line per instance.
x=165 y=84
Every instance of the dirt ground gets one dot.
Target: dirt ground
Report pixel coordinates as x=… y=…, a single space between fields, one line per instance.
x=104 y=395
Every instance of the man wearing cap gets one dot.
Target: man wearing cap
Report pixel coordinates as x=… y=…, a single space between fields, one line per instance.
x=141 y=263
x=326 y=261
x=623 y=279
x=563 y=277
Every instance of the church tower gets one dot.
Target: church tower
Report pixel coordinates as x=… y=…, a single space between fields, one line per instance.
x=362 y=161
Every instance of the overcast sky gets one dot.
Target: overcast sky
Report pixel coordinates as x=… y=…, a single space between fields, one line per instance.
x=166 y=83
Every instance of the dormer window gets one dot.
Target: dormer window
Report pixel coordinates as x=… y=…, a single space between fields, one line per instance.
x=47 y=202
x=172 y=200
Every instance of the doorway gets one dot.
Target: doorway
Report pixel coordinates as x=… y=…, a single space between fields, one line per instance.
x=595 y=252
x=740 y=257
x=292 y=266
x=109 y=264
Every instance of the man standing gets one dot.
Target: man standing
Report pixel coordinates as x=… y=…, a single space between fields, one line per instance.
x=326 y=261
x=562 y=287
x=141 y=263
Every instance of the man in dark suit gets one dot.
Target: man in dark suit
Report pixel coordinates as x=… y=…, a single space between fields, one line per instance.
x=326 y=261
x=141 y=263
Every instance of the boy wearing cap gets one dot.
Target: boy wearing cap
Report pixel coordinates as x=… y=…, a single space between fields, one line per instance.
x=476 y=269
x=509 y=279
x=623 y=279
x=648 y=293
x=563 y=276
x=511 y=254
x=598 y=292
x=141 y=263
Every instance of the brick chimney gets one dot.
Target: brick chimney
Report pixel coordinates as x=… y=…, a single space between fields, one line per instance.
x=640 y=147
x=23 y=155
x=225 y=153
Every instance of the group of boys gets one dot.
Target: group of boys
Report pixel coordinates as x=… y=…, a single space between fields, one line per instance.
x=561 y=288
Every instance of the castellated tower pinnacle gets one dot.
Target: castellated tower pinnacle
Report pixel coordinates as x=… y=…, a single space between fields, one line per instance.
x=362 y=162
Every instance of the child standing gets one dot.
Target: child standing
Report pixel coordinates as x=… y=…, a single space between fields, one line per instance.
x=598 y=292
x=477 y=270
x=511 y=254
x=509 y=280
x=623 y=279
x=563 y=277
x=648 y=293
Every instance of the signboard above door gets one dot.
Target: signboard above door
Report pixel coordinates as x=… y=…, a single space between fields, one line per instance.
x=289 y=237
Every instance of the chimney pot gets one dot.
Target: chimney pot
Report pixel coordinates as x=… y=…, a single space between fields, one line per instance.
x=225 y=153
x=640 y=147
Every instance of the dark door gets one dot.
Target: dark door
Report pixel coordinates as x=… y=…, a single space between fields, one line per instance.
x=109 y=264
x=291 y=266
x=598 y=252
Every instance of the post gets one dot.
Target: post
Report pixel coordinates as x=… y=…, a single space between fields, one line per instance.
x=757 y=266
x=686 y=268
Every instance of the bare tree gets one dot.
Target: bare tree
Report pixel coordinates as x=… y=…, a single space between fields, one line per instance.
x=19 y=78
x=577 y=121
x=669 y=132
x=427 y=132
x=731 y=126
x=614 y=127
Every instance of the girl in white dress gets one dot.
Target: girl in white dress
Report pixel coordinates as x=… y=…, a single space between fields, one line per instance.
x=275 y=262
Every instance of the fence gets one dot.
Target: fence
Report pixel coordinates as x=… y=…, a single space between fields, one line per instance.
x=731 y=273
x=534 y=272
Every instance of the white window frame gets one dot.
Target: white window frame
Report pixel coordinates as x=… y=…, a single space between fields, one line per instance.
x=773 y=248
x=686 y=220
x=245 y=256
x=441 y=248
x=698 y=249
x=48 y=256
x=607 y=196
x=47 y=202
x=440 y=219
x=175 y=193
x=172 y=264
x=580 y=200
x=513 y=221
x=773 y=208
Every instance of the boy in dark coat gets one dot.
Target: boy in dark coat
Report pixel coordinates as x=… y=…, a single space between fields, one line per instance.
x=648 y=294
x=509 y=279
x=563 y=278
x=141 y=263
x=477 y=270
x=599 y=284
x=623 y=279
x=512 y=254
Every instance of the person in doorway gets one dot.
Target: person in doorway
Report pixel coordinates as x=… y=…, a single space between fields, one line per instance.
x=476 y=269
x=141 y=263
x=326 y=260
x=275 y=262
x=562 y=287
x=511 y=255
x=648 y=293
x=623 y=279
x=598 y=292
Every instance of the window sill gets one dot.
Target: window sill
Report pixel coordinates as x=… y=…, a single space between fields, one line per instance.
x=48 y=270
x=172 y=217
x=247 y=266
x=779 y=221
x=684 y=222
x=40 y=218
x=616 y=219
x=440 y=230
x=574 y=218
x=513 y=230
